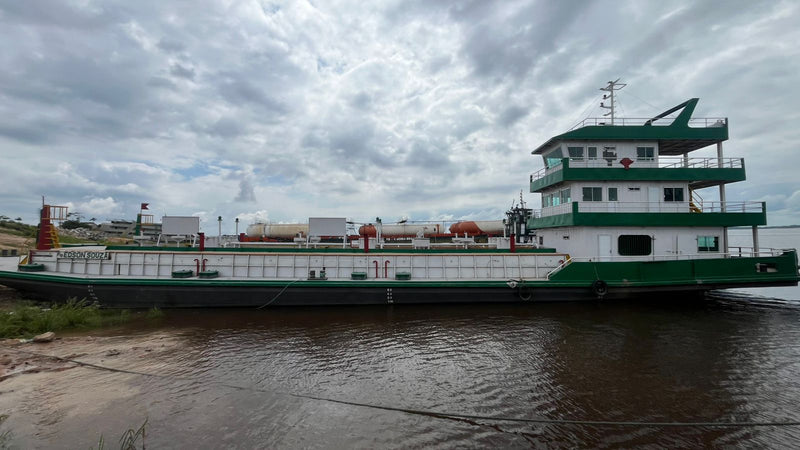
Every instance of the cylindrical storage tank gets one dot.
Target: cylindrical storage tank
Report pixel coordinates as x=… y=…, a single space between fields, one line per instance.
x=477 y=227
x=285 y=230
x=255 y=230
x=402 y=229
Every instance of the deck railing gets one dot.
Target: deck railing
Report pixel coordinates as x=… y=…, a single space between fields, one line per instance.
x=733 y=252
x=698 y=122
x=661 y=162
x=654 y=207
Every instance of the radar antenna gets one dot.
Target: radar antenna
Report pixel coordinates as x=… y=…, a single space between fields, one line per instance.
x=610 y=88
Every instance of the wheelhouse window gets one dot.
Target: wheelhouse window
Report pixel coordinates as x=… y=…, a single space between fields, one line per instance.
x=612 y=194
x=593 y=194
x=575 y=152
x=673 y=194
x=634 y=245
x=556 y=198
x=645 y=153
x=707 y=243
x=553 y=158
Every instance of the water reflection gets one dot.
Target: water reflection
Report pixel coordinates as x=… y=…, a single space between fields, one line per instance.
x=709 y=361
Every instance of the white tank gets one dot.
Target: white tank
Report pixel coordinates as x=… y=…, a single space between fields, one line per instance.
x=277 y=230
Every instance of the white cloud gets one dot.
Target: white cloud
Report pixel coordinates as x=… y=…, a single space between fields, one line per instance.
x=365 y=109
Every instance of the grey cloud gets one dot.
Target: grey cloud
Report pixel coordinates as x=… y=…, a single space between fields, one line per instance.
x=182 y=71
x=511 y=115
x=246 y=191
x=171 y=46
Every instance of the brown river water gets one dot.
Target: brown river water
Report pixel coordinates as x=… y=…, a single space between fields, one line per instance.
x=406 y=376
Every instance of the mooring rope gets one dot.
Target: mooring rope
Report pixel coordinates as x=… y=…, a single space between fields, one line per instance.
x=438 y=414
x=279 y=294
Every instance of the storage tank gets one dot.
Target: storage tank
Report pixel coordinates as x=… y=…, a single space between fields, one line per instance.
x=277 y=230
x=478 y=227
x=402 y=229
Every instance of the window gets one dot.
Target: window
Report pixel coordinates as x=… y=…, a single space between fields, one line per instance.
x=707 y=243
x=592 y=152
x=553 y=158
x=673 y=194
x=575 y=152
x=645 y=153
x=612 y=194
x=565 y=196
x=592 y=194
x=634 y=245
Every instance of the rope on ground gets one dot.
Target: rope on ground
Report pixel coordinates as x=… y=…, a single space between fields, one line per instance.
x=440 y=414
x=279 y=294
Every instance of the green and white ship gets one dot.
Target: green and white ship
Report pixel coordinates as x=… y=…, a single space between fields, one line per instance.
x=621 y=218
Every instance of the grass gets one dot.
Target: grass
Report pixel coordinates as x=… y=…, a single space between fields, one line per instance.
x=17 y=228
x=25 y=319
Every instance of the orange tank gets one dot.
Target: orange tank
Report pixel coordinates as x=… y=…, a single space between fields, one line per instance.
x=472 y=228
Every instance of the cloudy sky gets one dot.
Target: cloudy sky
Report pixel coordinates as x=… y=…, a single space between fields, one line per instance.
x=426 y=109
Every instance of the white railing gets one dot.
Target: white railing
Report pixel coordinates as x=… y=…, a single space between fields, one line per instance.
x=671 y=162
x=564 y=208
x=732 y=207
x=590 y=207
x=655 y=207
x=748 y=252
x=734 y=252
x=661 y=162
x=700 y=122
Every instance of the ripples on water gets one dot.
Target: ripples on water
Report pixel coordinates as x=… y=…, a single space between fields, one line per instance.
x=731 y=358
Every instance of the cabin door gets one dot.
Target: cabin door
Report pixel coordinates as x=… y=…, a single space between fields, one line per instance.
x=604 y=247
x=653 y=199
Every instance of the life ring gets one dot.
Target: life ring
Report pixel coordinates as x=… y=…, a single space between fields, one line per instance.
x=600 y=288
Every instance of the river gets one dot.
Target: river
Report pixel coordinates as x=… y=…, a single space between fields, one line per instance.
x=388 y=376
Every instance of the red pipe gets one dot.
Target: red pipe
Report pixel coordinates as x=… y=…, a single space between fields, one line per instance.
x=376 y=269
x=386 y=269
x=202 y=237
x=204 y=264
x=366 y=244
x=197 y=263
x=513 y=243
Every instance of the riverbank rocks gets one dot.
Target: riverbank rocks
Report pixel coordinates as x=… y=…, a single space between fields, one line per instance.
x=44 y=337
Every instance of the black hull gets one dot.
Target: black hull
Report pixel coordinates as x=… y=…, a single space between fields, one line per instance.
x=198 y=296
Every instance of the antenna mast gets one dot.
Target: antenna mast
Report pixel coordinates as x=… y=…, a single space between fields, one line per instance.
x=610 y=88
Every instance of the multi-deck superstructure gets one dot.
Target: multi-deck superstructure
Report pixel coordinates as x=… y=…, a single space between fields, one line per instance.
x=631 y=189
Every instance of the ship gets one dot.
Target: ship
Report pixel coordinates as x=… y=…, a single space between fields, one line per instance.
x=622 y=218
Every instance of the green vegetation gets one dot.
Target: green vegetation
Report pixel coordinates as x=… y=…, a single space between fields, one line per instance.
x=129 y=439
x=26 y=319
x=17 y=228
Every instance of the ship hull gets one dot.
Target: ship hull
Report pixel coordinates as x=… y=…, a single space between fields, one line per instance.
x=204 y=294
